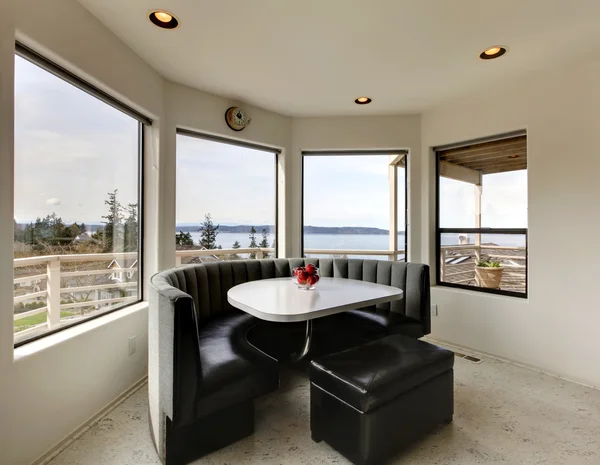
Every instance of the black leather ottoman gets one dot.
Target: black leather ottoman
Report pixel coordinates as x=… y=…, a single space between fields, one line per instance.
x=371 y=401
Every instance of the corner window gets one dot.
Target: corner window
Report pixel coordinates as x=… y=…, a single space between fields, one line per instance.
x=226 y=199
x=354 y=204
x=482 y=216
x=77 y=250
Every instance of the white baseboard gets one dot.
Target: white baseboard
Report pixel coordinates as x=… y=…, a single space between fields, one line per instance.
x=78 y=432
x=468 y=351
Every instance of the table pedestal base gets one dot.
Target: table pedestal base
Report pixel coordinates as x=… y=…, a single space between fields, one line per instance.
x=296 y=357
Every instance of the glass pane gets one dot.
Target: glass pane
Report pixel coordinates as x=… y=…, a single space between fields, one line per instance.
x=76 y=192
x=457 y=204
x=347 y=205
x=224 y=193
x=503 y=256
x=333 y=254
x=504 y=200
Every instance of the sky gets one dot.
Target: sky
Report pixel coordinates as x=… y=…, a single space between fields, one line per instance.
x=349 y=190
x=72 y=149
x=503 y=201
x=234 y=184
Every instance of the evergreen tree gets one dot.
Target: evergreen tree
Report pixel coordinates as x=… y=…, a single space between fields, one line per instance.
x=74 y=230
x=18 y=232
x=113 y=229
x=208 y=239
x=264 y=243
x=98 y=235
x=28 y=234
x=59 y=232
x=253 y=244
x=130 y=228
x=182 y=238
x=236 y=245
x=51 y=230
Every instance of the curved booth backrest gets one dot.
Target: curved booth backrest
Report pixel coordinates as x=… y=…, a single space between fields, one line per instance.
x=200 y=376
x=207 y=283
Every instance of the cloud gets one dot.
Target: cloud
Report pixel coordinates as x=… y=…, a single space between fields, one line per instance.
x=53 y=201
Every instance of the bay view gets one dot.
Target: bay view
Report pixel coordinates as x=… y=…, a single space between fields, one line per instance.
x=343 y=241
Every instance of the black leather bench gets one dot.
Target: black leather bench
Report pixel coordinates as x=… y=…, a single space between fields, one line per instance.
x=208 y=361
x=371 y=401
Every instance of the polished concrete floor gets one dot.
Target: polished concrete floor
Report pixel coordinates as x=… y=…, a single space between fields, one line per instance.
x=503 y=414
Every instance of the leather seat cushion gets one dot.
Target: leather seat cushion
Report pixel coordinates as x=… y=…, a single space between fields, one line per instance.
x=373 y=374
x=384 y=320
x=232 y=369
x=368 y=325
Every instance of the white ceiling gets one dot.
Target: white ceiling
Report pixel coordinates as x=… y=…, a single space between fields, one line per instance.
x=314 y=57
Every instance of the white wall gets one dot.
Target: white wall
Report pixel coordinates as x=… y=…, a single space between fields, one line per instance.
x=51 y=391
x=6 y=207
x=374 y=132
x=556 y=328
x=51 y=387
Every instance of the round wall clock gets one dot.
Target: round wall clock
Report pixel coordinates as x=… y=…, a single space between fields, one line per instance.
x=236 y=118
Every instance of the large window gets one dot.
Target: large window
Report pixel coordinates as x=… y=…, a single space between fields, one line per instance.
x=226 y=199
x=354 y=205
x=482 y=216
x=77 y=200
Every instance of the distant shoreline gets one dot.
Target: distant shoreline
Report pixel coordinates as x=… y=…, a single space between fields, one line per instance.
x=237 y=229
x=307 y=229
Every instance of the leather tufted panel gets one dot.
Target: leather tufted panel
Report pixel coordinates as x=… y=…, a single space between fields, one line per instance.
x=208 y=283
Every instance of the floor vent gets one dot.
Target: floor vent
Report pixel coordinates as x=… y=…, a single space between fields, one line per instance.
x=470 y=358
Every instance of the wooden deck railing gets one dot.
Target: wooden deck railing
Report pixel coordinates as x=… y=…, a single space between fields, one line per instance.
x=55 y=283
x=59 y=278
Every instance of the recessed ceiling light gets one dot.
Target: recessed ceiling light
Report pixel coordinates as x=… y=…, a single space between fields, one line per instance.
x=362 y=100
x=163 y=19
x=493 y=52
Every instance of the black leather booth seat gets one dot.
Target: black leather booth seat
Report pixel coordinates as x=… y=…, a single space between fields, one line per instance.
x=203 y=371
x=371 y=401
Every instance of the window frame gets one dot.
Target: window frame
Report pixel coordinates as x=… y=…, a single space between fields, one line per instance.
x=248 y=145
x=439 y=230
x=143 y=122
x=397 y=152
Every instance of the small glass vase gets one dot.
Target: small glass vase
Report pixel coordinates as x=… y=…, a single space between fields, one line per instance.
x=306 y=283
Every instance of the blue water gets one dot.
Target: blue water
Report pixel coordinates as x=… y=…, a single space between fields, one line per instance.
x=361 y=241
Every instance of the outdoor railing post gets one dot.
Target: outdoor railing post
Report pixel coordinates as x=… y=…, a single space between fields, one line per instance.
x=53 y=289
x=442 y=264
x=177 y=260
x=259 y=254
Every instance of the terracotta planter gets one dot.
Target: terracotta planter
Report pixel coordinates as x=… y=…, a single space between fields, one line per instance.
x=488 y=276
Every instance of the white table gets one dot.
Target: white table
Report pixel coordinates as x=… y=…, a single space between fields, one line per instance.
x=280 y=300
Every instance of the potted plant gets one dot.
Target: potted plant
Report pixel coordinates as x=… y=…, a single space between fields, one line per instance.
x=488 y=274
